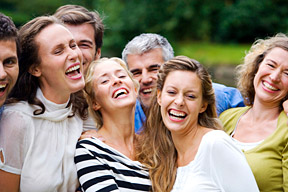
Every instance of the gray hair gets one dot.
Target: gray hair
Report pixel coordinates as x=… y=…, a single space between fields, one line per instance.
x=146 y=42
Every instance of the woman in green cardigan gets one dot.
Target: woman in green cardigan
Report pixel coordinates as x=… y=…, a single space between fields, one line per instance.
x=261 y=129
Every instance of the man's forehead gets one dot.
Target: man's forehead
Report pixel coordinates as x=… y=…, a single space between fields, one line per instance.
x=145 y=60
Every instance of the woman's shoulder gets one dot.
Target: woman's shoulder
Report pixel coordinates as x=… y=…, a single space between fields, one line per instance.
x=218 y=140
x=216 y=136
x=230 y=113
x=20 y=107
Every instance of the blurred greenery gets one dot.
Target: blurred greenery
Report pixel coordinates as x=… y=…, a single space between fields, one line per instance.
x=227 y=27
x=210 y=54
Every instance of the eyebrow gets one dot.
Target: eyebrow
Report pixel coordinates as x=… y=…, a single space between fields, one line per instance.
x=11 y=57
x=134 y=70
x=116 y=71
x=150 y=67
x=154 y=66
x=272 y=61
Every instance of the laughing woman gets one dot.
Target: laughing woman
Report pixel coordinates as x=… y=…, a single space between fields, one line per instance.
x=111 y=95
x=181 y=143
x=260 y=129
x=40 y=126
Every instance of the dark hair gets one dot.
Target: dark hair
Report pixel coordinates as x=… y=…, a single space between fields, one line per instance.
x=77 y=15
x=8 y=31
x=26 y=86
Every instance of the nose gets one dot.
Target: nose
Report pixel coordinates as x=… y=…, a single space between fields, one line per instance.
x=146 y=78
x=275 y=75
x=73 y=54
x=179 y=100
x=3 y=73
x=116 y=80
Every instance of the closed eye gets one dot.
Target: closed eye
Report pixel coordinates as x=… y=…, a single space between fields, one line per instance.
x=171 y=92
x=191 y=96
x=104 y=81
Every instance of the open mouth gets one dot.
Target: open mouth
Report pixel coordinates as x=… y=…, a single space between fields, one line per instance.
x=270 y=87
x=3 y=87
x=120 y=93
x=147 y=91
x=177 y=115
x=73 y=71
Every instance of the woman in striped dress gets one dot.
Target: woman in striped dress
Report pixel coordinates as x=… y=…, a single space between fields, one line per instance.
x=111 y=166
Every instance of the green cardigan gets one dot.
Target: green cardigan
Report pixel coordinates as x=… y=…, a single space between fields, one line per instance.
x=268 y=160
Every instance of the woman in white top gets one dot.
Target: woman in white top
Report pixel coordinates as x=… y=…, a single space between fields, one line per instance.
x=111 y=94
x=39 y=127
x=182 y=144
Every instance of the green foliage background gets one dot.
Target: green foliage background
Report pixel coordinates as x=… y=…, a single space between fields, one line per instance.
x=181 y=21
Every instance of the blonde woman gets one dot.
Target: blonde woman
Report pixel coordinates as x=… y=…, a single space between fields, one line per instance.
x=111 y=166
x=260 y=129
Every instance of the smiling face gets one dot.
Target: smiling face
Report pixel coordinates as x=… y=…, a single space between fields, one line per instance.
x=9 y=68
x=113 y=88
x=84 y=37
x=181 y=101
x=145 y=68
x=271 y=79
x=60 y=69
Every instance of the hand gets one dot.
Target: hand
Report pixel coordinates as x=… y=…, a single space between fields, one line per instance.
x=93 y=133
x=285 y=106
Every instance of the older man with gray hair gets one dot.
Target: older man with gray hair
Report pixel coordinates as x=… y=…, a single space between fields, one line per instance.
x=144 y=55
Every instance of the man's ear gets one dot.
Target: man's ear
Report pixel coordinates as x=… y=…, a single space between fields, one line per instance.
x=96 y=106
x=97 y=54
x=159 y=97
x=35 y=71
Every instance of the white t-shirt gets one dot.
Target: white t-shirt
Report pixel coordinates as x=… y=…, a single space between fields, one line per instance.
x=40 y=148
x=218 y=166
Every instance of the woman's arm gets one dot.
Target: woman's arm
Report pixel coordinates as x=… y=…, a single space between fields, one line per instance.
x=9 y=182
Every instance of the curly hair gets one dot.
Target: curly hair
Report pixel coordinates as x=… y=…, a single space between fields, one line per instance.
x=247 y=71
x=156 y=149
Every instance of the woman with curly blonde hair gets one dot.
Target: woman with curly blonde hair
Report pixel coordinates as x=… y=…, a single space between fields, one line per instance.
x=182 y=143
x=260 y=129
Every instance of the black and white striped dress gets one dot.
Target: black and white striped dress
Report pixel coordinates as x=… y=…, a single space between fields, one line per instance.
x=103 y=168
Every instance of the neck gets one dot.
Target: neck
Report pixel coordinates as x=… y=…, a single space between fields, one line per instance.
x=118 y=131
x=54 y=97
x=262 y=112
x=187 y=144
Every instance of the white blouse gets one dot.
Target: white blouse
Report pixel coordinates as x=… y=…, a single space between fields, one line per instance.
x=218 y=166
x=40 y=148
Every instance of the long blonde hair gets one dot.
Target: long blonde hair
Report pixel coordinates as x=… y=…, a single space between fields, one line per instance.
x=156 y=149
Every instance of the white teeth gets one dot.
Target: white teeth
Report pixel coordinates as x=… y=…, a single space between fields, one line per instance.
x=74 y=68
x=177 y=118
x=177 y=113
x=269 y=86
x=3 y=86
x=147 y=90
x=120 y=91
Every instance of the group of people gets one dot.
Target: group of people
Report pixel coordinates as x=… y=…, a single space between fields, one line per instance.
x=150 y=119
